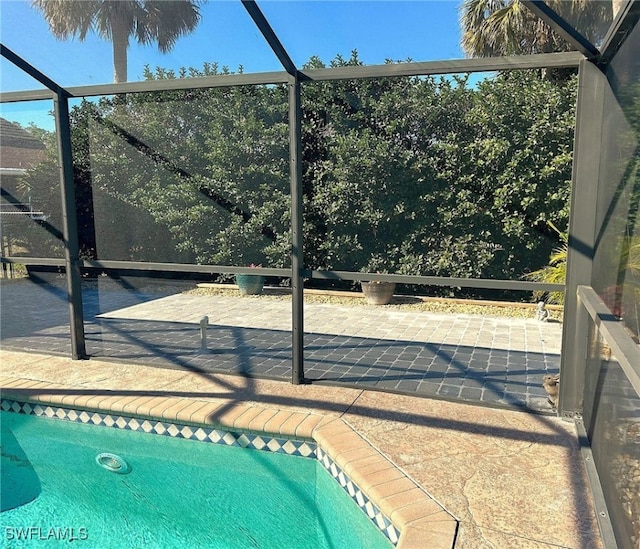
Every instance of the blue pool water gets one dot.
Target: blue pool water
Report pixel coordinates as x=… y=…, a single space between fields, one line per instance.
x=179 y=493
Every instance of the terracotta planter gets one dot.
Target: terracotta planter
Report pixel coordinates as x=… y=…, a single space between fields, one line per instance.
x=249 y=284
x=378 y=293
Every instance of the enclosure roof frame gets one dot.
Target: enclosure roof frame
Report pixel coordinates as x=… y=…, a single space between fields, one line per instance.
x=479 y=64
x=423 y=68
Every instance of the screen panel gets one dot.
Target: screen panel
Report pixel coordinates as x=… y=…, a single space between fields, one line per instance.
x=611 y=403
x=437 y=176
x=616 y=274
x=196 y=176
x=34 y=311
x=30 y=202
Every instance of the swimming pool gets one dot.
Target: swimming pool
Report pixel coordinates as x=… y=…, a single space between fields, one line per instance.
x=178 y=493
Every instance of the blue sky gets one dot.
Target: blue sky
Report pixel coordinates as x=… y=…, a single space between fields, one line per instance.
x=421 y=30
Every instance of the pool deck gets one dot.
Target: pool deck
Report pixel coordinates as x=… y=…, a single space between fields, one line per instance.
x=510 y=479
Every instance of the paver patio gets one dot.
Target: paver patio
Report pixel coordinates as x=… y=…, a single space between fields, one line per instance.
x=492 y=360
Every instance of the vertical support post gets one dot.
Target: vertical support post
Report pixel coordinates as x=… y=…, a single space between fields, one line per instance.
x=297 y=252
x=582 y=233
x=70 y=226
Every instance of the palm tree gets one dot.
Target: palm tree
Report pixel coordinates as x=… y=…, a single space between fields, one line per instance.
x=507 y=27
x=161 y=21
x=555 y=272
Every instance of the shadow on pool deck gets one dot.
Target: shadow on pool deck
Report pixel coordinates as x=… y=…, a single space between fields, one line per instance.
x=34 y=319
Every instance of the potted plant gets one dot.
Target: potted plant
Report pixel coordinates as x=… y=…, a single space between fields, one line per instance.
x=377 y=292
x=250 y=284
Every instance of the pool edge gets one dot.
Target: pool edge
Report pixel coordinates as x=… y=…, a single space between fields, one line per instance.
x=381 y=489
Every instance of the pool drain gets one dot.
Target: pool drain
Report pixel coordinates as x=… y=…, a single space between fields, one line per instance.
x=113 y=463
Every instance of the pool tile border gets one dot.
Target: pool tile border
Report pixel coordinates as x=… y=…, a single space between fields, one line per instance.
x=253 y=441
x=379 y=519
x=397 y=506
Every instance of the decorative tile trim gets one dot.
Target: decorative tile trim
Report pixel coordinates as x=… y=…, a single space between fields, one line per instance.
x=379 y=519
x=253 y=441
x=250 y=440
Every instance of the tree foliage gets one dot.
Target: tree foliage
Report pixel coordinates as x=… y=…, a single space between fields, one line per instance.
x=423 y=176
x=507 y=27
x=434 y=177
x=209 y=166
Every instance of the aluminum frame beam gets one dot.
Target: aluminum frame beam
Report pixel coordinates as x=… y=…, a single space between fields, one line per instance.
x=270 y=36
x=425 y=68
x=144 y=266
x=297 y=242
x=70 y=227
x=625 y=21
x=217 y=81
x=562 y=27
x=602 y=512
x=55 y=88
x=47 y=261
x=592 y=84
x=488 y=64
x=495 y=284
x=625 y=350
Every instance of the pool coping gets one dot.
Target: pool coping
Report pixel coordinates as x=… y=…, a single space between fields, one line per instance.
x=362 y=470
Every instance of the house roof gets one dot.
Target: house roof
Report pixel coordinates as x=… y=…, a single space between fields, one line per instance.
x=18 y=148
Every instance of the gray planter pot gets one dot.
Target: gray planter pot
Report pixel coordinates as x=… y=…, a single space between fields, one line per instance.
x=378 y=293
